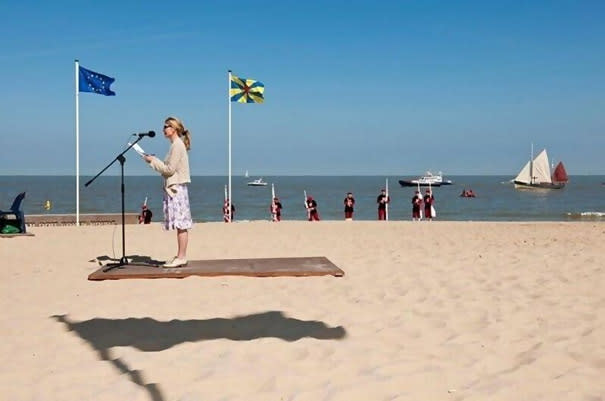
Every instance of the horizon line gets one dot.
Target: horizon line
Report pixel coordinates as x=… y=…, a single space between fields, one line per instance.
x=281 y=175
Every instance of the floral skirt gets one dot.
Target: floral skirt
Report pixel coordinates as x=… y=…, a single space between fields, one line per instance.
x=177 y=213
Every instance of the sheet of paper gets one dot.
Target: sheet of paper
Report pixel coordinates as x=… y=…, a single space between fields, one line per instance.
x=138 y=149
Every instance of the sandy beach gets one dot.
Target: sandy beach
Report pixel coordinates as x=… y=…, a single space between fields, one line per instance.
x=425 y=311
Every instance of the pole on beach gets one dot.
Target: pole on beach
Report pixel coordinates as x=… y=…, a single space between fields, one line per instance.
x=420 y=196
x=430 y=195
x=230 y=195
x=227 y=204
x=306 y=206
x=273 y=210
x=386 y=205
x=77 y=81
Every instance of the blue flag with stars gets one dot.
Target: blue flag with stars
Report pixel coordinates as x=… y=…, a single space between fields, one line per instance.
x=94 y=82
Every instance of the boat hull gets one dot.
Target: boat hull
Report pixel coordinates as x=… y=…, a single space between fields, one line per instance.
x=412 y=183
x=257 y=185
x=524 y=185
x=415 y=183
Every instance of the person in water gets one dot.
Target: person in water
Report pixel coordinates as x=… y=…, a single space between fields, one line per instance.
x=467 y=193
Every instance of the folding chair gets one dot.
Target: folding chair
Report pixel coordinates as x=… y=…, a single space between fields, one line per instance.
x=15 y=215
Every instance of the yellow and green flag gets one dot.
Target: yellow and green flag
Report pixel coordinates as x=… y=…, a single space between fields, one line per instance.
x=246 y=90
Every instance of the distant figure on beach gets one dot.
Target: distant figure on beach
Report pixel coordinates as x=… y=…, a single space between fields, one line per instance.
x=349 y=203
x=175 y=171
x=228 y=217
x=275 y=209
x=429 y=199
x=311 y=206
x=416 y=205
x=382 y=201
x=145 y=216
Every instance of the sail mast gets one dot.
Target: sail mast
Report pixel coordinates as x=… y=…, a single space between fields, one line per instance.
x=531 y=165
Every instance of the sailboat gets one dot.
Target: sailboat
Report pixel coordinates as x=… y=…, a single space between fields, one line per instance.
x=536 y=174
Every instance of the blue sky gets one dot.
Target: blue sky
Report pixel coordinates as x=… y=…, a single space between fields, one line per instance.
x=355 y=87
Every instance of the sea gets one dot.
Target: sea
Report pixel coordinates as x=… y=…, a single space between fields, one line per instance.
x=583 y=199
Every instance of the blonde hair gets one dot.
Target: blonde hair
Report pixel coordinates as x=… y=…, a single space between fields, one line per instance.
x=183 y=133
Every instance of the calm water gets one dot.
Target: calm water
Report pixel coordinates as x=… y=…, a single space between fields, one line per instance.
x=495 y=201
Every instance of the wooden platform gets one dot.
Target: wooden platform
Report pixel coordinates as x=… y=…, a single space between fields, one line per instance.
x=268 y=267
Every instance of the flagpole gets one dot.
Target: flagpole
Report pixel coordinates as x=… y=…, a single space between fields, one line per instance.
x=229 y=101
x=77 y=65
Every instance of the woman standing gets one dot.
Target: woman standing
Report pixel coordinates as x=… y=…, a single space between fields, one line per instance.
x=175 y=170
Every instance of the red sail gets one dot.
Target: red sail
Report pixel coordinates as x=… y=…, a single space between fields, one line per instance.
x=560 y=175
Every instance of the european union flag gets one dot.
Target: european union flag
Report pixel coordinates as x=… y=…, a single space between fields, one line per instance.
x=246 y=90
x=94 y=82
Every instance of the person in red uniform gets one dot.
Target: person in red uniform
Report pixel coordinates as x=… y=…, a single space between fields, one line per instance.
x=275 y=209
x=349 y=206
x=145 y=216
x=429 y=199
x=382 y=201
x=416 y=204
x=311 y=206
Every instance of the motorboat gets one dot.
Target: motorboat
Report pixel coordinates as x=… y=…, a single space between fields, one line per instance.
x=429 y=179
x=257 y=183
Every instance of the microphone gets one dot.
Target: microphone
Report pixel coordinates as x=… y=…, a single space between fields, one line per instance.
x=150 y=134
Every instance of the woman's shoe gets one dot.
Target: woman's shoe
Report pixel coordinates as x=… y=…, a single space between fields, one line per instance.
x=176 y=262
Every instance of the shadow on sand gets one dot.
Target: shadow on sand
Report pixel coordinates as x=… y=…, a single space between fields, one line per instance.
x=150 y=335
x=133 y=259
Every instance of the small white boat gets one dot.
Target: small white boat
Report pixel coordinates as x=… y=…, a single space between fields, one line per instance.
x=257 y=183
x=435 y=180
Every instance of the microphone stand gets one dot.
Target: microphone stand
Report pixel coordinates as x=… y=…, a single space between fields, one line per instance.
x=123 y=260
